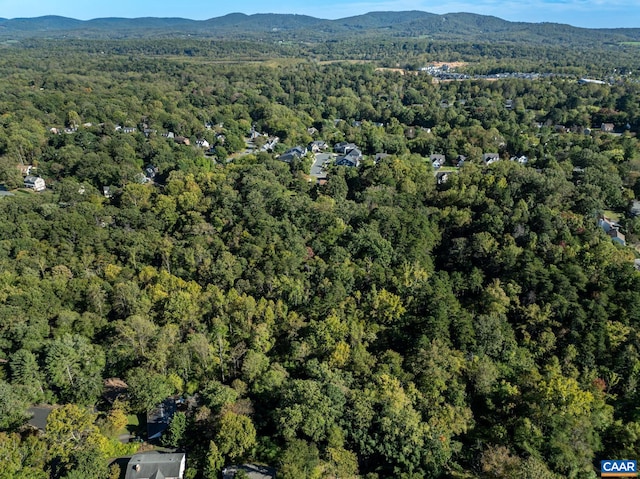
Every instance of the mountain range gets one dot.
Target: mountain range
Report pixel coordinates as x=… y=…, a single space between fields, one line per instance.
x=290 y=27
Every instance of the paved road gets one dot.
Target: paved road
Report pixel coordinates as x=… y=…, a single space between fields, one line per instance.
x=317 y=169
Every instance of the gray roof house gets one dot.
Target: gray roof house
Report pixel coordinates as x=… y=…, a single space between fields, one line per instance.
x=352 y=158
x=489 y=158
x=442 y=177
x=156 y=466
x=158 y=419
x=318 y=146
x=34 y=183
x=292 y=154
x=618 y=237
x=344 y=147
x=437 y=160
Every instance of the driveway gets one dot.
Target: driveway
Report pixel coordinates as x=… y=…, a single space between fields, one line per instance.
x=317 y=169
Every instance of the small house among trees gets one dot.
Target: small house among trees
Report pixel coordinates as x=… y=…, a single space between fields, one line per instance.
x=34 y=183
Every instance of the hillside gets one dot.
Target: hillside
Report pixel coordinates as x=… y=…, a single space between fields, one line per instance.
x=467 y=26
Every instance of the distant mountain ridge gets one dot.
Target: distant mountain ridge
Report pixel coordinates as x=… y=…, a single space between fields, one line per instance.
x=305 y=28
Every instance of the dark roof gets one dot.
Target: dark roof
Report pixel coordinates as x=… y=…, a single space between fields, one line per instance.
x=253 y=471
x=156 y=466
x=159 y=418
x=40 y=416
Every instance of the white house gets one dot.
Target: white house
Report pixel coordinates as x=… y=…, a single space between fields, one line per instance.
x=34 y=183
x=203 y=144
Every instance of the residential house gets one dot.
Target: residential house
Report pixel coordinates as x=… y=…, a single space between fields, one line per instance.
x=459 y=161
x=158 y=419
x=24 y=169
x=34 y=183
x=107 y=191
x=607 y=127
x=344 y=147
x=182 y=140
x=442 y=177
x=150 y=171
x=318 y=146
x=312 y=131
x=129 y=129
x=169 y=134
x=152 y=465
x=617 y=237
x=293 y=154
x=202 y=143
x=437 y=160
x=607 y=224
x=351 y=159
x=270 y=144
x=612 y=229
x=251 y=471
x=523 y=160
x=489 y=158
x=253 y=134
x=149 y=131
x=635 y=208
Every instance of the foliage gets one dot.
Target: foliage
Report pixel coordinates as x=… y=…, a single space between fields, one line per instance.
x=381 y=324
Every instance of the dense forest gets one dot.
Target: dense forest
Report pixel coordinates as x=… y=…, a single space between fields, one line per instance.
x=383 y=322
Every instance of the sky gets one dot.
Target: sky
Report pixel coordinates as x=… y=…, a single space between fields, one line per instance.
x=580 y=13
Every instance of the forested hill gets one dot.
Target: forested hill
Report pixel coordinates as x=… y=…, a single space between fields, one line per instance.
x=304 y=28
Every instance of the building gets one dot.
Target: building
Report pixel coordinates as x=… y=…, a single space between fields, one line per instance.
x=612 y=229
x=489 y=158
x=252 y=471
x=156 y=466
x=34 y=183
x=159 y=418
x=437 y=160
x=294 y=153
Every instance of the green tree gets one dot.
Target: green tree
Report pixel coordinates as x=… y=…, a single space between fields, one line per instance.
x=70 y=429
x=13 y=407
x=174 y=437
x=74 y=366
x=236 y=436
x=213 y=462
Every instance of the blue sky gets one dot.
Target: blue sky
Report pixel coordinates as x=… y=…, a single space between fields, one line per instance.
x=582 y=13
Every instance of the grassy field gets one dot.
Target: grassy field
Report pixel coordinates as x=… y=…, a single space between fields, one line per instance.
x=612 y=215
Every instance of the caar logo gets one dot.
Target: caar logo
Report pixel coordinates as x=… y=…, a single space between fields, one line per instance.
x=613 y=468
